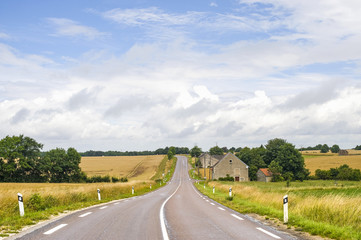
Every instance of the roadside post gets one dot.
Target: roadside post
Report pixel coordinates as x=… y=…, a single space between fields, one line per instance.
x=230 y=192
x=285 y=209
x=214 y=189
x=204 y=186
x=99 y=198
x=21 y=204
x=150 y=186
x=133 y=190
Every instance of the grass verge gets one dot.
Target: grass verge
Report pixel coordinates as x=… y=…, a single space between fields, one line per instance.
x=313 y=209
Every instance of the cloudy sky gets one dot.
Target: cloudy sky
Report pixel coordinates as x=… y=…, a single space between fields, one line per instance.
x=139 y=75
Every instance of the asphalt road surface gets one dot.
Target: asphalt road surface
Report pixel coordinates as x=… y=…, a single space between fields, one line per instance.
x=176 y=211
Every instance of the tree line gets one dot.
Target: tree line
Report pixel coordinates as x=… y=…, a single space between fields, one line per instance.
x=343 y=172
x=323 y=148
x=21 y=160
x=159 y=151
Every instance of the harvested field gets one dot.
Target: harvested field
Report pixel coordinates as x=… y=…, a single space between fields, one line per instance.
x=326 y=162
x=134 y=167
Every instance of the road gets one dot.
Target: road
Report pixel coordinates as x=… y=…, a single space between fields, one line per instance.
x=176 y=211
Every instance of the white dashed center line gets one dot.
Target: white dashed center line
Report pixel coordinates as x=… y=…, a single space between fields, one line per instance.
x=85 y=214
x=268 y=233
x=55 y=229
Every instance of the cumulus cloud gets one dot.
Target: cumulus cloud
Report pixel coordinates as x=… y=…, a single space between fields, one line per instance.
x=182 y=91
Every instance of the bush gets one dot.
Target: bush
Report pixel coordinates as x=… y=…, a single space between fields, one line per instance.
x=227 y=178
x=35 y=202
x=95 y=179
x=343 y=172
x=124 y=179
x=115 y=179
x=229 y=198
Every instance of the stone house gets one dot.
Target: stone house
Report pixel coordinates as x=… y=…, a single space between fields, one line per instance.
x=231 y=165
x=264 y=175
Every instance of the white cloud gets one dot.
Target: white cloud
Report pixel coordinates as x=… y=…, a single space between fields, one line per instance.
x=4 y=36
x=213 y=4
x=70 y=28
x=176 y=92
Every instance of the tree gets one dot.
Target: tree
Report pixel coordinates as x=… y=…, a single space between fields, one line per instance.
x=272 y=148
x=170 y=154
x=19 y=156
x=196 y=151
x=276 y=171
x=232 y=149
x=325 y=148
x=291 y=160
x=335 y=148
x=253 y=158
x=216 y=151
x=63 y=166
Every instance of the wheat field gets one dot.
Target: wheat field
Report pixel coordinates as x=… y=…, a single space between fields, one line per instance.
x=132 y=167
x=326 y=162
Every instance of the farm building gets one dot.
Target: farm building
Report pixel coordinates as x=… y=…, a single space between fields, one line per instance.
x=264 y=175
x=220 y=166
x=343 y=152
x=208 y=160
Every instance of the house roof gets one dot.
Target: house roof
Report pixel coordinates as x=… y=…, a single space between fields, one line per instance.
x=218 y=157
x=266 y=172
x=225 y=156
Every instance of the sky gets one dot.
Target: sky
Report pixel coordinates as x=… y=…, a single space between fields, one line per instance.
x=140 y=75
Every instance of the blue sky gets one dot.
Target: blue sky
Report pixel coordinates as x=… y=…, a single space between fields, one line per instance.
x=136 y=75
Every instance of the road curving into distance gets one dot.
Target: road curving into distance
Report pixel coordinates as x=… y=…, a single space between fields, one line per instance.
x=176 y=211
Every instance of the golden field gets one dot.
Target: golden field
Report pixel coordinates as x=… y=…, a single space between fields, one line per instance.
x=327 y=161
x=132 y=167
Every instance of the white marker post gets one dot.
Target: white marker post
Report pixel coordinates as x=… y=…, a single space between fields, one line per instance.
x=21 y=204
x=132 y=190
x=99 y=198
x=230 y=192
x=204 y=186
x=150 y=186
x=285 y=209
x=214 y=189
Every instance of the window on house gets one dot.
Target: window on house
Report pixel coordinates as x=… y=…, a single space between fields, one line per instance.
x=230 y=161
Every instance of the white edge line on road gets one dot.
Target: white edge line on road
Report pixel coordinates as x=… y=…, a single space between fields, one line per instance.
x=212 y=204
x=116 y=203
x=238 y=217
x=268 y=233
x=103 y=207
x=85 y=214
x=161 y=214
x=55 y=229
x=221 y=209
